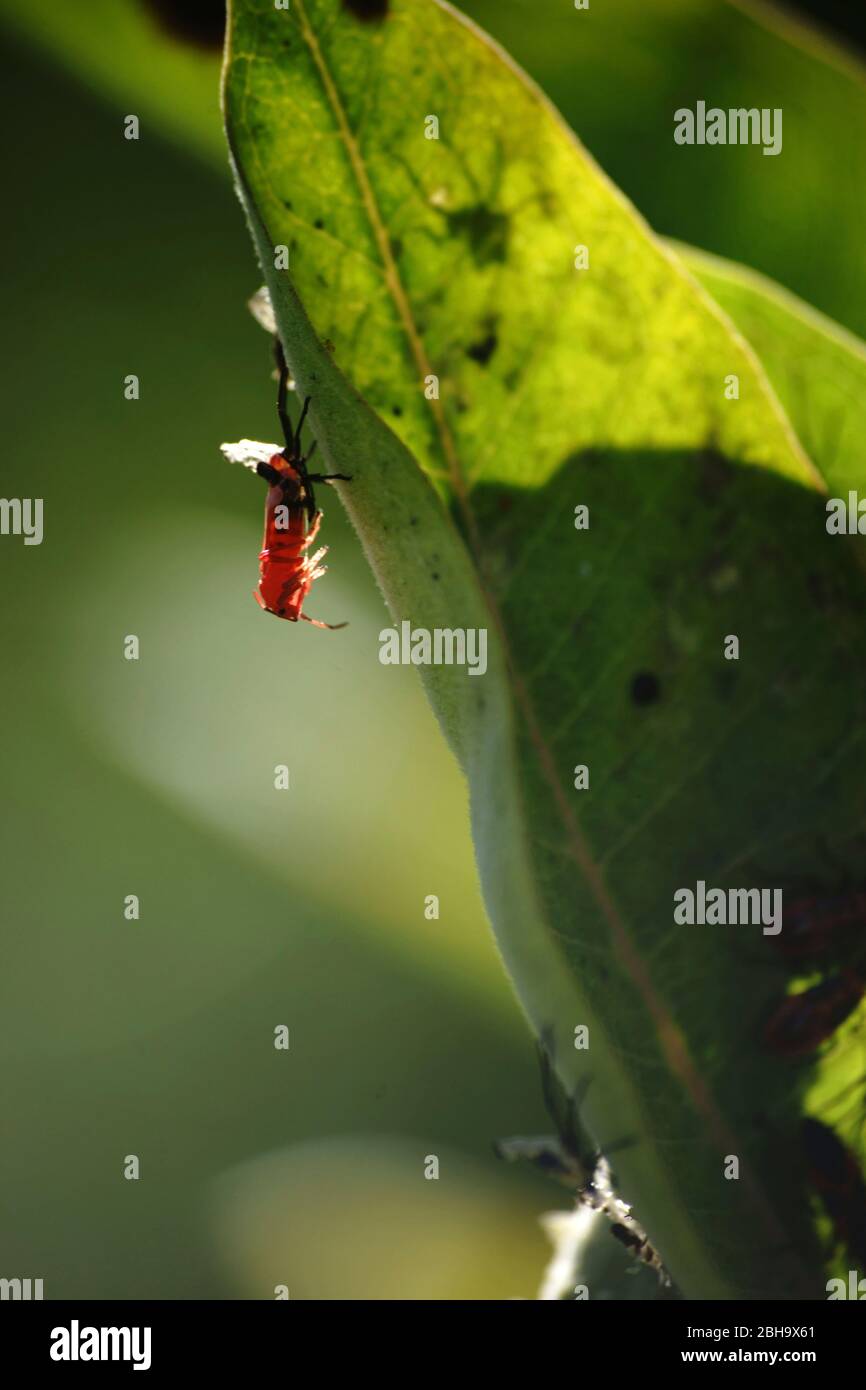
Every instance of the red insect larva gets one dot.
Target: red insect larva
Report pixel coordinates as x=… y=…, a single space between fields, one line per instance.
x=292 y=520
x=286 y=570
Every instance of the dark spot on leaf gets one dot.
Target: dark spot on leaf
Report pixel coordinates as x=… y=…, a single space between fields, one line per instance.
x=286 y=204
x=483 y=350
x=714 y=476
x=366 y=10
x=413 y=521
x=318 y=224
x=396 y=410
x=200 y=22
x=645 y=688
x=485 y=232
x=434 y=575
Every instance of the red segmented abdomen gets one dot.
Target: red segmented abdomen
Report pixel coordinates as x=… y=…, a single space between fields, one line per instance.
x=285 y=526
x=284 y=569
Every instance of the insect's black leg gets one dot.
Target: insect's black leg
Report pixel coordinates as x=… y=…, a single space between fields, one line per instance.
x=627 y=1142
x=323 y=477
x=580 y=1145
x=297 y=458
x=269 y=474
x=301 y=464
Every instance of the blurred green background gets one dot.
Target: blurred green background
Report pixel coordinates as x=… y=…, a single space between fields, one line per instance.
x=155 y=777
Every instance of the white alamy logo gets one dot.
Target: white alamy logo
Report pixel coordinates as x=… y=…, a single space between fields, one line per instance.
x=76 y=1343
x=22 y=516
x=443 y=646
x=729 y=907
x=736 y=126
x=855 y=1288
x=23 y=1289
x=846 y=518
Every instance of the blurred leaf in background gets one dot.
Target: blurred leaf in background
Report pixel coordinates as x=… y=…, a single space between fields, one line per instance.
x=619 y=71
x=319 y=1217
x=131 y=52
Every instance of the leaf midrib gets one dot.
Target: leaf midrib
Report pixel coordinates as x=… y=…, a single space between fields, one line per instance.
x=383 y=244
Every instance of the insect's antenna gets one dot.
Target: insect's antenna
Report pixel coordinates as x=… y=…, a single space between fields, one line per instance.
x=301 y=426
x=282 y=396
x=572 y=1127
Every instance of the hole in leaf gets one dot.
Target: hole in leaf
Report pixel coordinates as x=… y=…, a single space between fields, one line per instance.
x=366 y=10
x=645 y=688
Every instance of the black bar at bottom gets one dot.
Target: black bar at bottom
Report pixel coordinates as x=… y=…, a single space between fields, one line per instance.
x=74 y=1338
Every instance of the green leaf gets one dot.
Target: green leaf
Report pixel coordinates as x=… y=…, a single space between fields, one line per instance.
x=817 y=369
x=413 y=258
x=139 y=64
